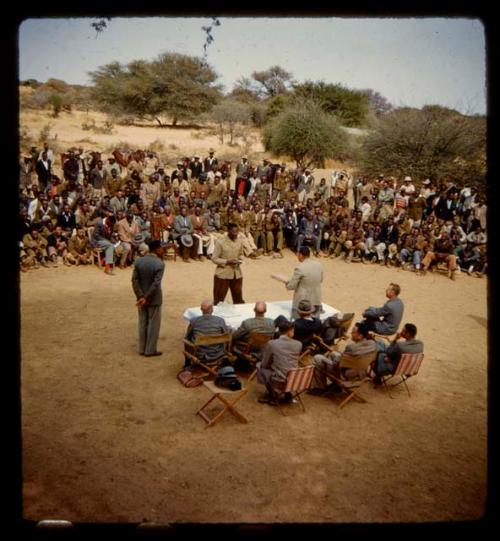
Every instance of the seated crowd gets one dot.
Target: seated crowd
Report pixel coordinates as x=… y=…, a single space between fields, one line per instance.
x=368 y=220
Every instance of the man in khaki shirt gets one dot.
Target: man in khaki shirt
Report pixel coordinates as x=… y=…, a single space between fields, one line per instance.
x=227 y=256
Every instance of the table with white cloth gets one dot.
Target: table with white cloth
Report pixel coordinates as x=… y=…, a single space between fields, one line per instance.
x=234 y=314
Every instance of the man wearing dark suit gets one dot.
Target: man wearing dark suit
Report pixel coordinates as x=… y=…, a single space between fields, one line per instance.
x=43 y=170
x=306 y=326
x=278 y=357
x=388 y=241
x=146 y=283
x=210 y=163
x=196 y=167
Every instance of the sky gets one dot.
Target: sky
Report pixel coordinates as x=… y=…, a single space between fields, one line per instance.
x=410 y=61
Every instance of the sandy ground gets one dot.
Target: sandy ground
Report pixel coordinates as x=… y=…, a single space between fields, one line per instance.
x=111 y=436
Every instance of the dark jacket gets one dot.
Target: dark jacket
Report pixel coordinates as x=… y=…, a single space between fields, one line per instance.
x=146 y=279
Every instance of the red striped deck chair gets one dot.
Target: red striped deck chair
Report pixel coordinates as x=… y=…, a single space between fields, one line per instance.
x=408 y=366
x=298 y=380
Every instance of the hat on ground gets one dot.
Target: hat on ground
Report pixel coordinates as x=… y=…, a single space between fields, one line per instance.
x=187 y=240
x=407 y=179
x=305 y=307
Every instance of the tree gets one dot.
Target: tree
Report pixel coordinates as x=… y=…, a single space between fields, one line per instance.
x=228 y=113
x=306 y=133
x=244 y=90
x=274 y=81
x=434 y=141
x=176 y=85
x=379 y=104
x=349 y=106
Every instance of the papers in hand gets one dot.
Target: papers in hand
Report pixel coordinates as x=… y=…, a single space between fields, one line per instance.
x=280 y=278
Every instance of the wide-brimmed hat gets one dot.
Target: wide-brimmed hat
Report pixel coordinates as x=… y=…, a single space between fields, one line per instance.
x=407 y=179
x=187 y=240
x=305 y=307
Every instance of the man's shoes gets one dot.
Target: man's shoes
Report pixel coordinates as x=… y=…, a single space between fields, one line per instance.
x=264 y=399
x=109 y=271
x=156 y=353
x=259 y=252
x=377 y=380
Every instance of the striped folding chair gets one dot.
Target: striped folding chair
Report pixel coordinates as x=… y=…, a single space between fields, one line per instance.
x=408 y=366
x=298 y=380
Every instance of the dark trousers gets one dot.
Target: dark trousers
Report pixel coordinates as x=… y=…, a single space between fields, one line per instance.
x=221 y=286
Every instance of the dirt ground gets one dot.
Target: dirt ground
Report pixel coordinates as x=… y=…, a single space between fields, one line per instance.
x=109 y=436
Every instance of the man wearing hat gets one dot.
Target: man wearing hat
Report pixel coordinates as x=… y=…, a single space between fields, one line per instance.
x=210 y=162
x=306 y=325
x=183 y=234
x=146 y=283
x=408 y=186
x=306 y=282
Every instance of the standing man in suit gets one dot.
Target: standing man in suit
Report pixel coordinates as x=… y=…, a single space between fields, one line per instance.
x=306 y=282
x=43 y=170
x=278 y=357
x=146 y=283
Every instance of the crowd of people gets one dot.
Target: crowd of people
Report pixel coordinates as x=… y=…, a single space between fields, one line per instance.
x=97 y=203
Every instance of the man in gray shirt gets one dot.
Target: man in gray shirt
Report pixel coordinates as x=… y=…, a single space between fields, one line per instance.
x=278 y=357
x=386 y=319
x=389 y=355
x=207 y=323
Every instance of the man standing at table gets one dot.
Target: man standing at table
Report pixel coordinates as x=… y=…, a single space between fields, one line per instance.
x=306 y=282
x=227 y=255
x=146 y=282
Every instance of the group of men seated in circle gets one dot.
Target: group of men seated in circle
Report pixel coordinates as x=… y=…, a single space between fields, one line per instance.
x=290 y=341
x=410 y=224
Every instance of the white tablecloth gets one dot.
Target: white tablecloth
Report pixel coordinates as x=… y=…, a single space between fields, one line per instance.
x=234 y=314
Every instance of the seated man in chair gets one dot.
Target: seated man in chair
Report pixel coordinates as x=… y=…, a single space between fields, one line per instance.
x=260 y=324
x=325 y=366
x=207 y=323
x=386 y=319
x=279 y=356
x=389 y=355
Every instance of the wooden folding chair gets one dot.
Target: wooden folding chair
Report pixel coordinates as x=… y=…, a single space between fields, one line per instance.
x=191 y=350
x=247 y=350
x=344 y=328
x=227 y=397
x=171 y=250
x=298 y=380
x=408 y=366
x=352 y=387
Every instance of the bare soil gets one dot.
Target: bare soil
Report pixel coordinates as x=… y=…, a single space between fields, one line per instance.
x=109 y=436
